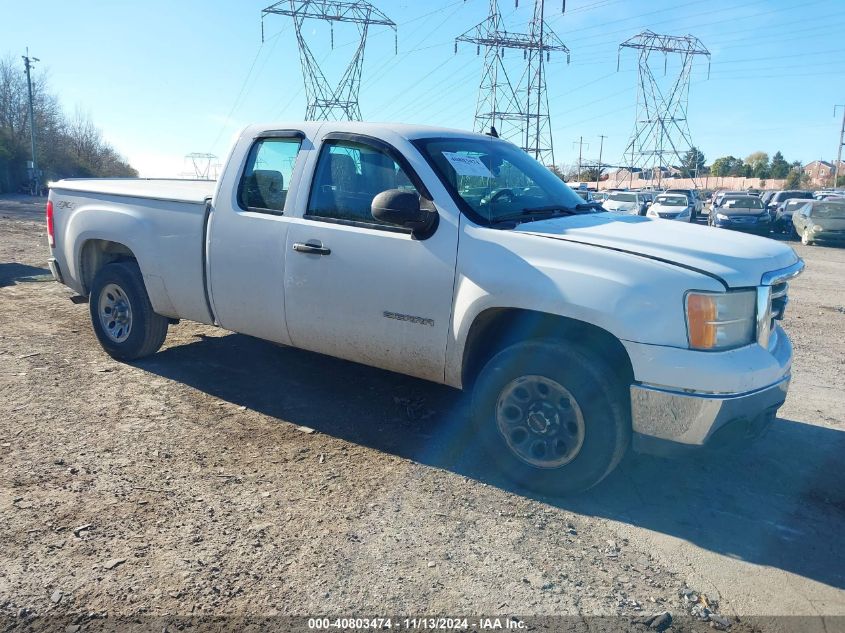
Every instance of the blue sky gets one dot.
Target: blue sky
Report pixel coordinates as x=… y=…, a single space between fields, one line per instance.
x=163 y=78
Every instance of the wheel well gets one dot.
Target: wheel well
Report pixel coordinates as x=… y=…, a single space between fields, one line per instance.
x=96 y=254
x=497 y=328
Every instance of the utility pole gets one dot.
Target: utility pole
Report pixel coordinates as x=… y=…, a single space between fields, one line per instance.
x=841 y=143
x=598 y=172
x=581 y=144
x=28 y=61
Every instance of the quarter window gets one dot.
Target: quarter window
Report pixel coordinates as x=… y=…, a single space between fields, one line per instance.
x=348 y=176
x=265 y=181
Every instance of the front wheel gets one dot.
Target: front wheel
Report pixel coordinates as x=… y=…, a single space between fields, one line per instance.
x=552 y=416
x=121 y=313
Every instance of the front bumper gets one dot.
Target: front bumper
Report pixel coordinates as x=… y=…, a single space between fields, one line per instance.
x=829 y=235
x=751 y=225
x=665 y=420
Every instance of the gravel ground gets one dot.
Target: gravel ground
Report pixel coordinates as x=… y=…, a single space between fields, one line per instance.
x=228 y=476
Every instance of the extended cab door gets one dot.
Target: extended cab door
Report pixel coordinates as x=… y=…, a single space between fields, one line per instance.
x=360 y=289
x=247 y=234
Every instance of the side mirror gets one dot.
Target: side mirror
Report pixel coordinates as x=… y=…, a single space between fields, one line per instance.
x=402 y=208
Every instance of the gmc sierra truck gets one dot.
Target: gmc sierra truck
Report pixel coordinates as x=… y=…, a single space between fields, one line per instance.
x=456 y=258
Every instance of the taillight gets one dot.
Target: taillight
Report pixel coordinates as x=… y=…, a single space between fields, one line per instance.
x=50 y=235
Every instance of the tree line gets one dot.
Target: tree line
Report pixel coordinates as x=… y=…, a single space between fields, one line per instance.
x=66 y=146
x=694 y=164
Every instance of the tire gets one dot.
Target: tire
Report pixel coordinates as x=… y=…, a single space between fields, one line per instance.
x=118 y=290
x=805 y=238
x=593 y=399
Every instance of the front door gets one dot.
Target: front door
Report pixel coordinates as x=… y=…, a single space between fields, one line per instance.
x=360 y=289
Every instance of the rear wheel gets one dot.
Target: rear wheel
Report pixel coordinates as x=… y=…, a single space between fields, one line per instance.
x=553 y=416
x=121 y=313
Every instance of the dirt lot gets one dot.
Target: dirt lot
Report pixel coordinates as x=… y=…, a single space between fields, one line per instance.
x=185 y=484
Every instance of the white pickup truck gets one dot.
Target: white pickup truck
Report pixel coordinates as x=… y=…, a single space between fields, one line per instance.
x=456 y=258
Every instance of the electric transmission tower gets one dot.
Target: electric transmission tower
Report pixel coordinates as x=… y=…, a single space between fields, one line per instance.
x=326 y=102
x=516 y=104
x=205 y=166
x=661 y=134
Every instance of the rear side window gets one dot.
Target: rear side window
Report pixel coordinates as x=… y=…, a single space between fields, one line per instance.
x=266 y=178
x=348 y=176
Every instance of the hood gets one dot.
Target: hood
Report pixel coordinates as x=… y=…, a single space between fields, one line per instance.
x=739 y=211
x=739 y=260
x=619 y=206
x=675 y=210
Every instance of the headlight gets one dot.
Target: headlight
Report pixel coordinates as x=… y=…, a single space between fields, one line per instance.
x=818 y=228
x=722 y=216
x=720 y=320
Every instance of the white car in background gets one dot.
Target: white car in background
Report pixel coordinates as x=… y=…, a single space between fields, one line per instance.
x=626 y=203
x=672 y=206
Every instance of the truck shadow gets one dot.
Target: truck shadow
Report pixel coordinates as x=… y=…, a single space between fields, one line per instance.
x=12 y=272
x=779 y=503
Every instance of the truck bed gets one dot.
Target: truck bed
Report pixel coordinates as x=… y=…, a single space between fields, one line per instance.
x=171 y=190
x=161 y=222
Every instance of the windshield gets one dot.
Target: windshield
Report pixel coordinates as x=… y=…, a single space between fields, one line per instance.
x=829 y=209
x=747 y=202
x=794 y=204
x=623 y=197
x=497 y=180
x=671 y=201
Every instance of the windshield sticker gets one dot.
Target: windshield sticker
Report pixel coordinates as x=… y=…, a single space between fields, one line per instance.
x=467 y=165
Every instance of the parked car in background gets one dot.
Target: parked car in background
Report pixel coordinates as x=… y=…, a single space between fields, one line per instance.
x=626 y=203
x=586 y=195
x=782 y=219
x=717 y=198
x=672 y=206
x=766 y=196
x=741 y=213
x=827 y=194
x=820 y=220
x=694 y=198
x=780 y=196
x=600 y=196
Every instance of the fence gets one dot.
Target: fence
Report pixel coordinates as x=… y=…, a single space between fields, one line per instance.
x=705 y=182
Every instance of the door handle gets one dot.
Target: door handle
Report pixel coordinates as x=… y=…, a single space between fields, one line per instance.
x=313 y=249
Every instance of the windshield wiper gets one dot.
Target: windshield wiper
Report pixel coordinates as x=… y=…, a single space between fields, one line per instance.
x=535 y=213
x=531 y=214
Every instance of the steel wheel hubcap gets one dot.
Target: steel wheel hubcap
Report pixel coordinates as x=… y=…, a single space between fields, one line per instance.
x=115 y=313
x=540 y=421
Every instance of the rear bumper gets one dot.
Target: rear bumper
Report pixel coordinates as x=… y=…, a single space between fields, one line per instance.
x=53 y=265
x=666 y=421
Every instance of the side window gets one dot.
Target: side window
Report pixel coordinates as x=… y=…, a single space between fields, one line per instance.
x=348 y=176
x=265 y=181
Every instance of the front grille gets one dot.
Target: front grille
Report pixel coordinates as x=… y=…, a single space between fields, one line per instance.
x=779 y=301
x=772 y=299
